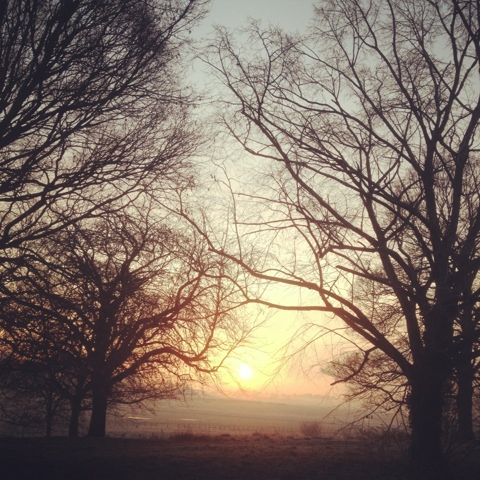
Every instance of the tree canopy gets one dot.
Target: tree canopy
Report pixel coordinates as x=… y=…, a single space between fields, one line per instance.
x=369 y=127
x=97 y=291
x=89 y=103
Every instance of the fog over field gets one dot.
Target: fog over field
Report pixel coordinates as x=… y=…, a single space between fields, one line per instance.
x=211 y=415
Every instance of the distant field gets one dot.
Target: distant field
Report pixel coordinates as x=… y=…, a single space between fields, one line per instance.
x=190 y=457
x=217 y=415
x=228 y=439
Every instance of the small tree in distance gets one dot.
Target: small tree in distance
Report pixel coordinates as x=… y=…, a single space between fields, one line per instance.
x=29 y=399
x=311 y=429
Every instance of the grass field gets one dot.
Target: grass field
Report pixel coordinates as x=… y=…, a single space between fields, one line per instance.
x=189 y=456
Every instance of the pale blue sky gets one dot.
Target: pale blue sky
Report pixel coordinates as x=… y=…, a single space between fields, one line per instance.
x=291 y=15
x=288 y=14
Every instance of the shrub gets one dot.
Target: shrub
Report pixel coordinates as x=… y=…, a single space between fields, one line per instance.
x=311 y=429
x=188 y=436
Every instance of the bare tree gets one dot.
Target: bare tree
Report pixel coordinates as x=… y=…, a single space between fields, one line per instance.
x=29 y=400
x=79 y=77
x=126 y=307
x=92 y=113
x=357 y=369
x=370 y=125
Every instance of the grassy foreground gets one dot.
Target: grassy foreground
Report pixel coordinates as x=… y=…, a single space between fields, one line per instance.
x=256 y=457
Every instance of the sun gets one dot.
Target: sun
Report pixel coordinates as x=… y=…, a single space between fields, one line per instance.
x=244 y=371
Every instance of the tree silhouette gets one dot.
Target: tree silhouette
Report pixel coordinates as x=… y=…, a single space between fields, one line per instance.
x=123 y=309
x=79 y=77
x=92 y=114
x=369 y=123
x=29 y=399
x=373 y=378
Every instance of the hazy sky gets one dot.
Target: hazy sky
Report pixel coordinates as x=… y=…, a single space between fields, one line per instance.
x=288 y=14
x=291 y=15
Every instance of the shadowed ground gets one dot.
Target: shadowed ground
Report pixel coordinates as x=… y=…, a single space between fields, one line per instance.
x=197 y=457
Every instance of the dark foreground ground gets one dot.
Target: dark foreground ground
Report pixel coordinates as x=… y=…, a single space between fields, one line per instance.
x=255 y=457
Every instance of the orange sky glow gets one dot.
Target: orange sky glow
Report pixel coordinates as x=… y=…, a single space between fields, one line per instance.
x=267 y=353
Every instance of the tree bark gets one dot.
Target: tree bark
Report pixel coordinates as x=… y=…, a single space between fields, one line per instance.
x=75 y=409
x=426 y=415
x=465 y=378
x=98 y=420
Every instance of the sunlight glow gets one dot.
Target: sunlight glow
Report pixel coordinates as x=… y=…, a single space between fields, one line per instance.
x=244 y=371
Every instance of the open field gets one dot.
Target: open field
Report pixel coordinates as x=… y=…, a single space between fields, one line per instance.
x=228 y=439
x=211 y=415
x=216 y=415
x=184 y=456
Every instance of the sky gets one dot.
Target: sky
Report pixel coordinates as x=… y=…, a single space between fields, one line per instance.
x=254 y=371
x=288 y=14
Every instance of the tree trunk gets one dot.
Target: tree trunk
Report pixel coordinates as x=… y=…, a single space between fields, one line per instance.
x=426 y=414
x=429 y=382
x=49 y=421
x=98 y=420
x=465 y=378
x=75 y=409
x=100 y=377
x=466 y=373
x=50 y=410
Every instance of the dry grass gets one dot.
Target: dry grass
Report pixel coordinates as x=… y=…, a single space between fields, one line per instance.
x=311 y=429
x=182 y=457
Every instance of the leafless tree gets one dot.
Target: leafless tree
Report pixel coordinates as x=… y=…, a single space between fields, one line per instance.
x=84 y=85
x=377 y=381
x=29 y=400
x=92 y=114
x=370 y=125
x=124 y=308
